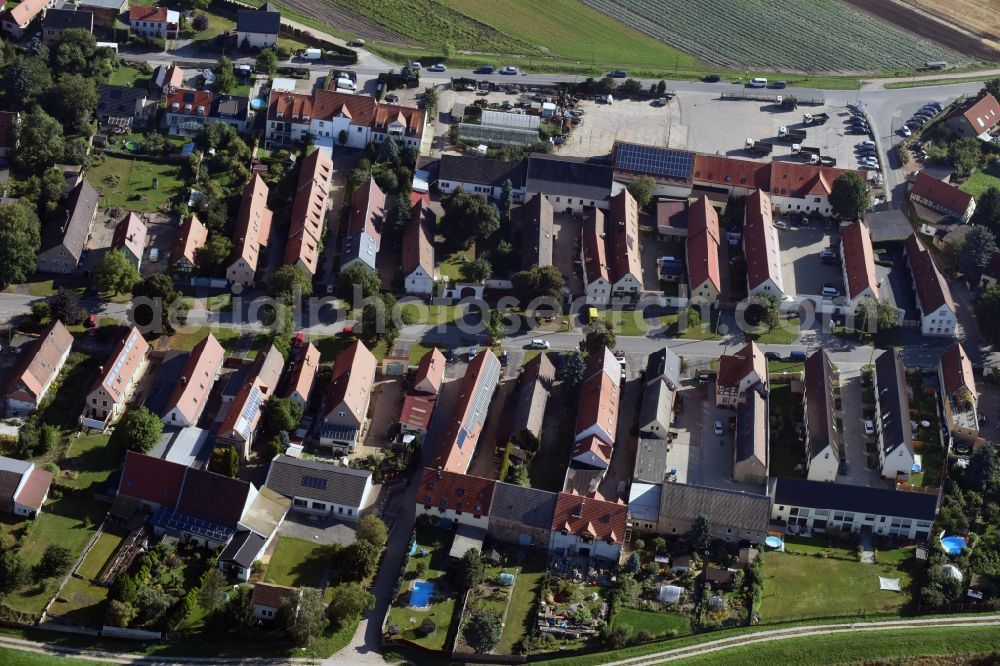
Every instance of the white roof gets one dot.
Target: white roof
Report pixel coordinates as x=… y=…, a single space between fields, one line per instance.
x=14 y=465
x=288 y=85
x=420 y=180
x=516 y=120
x=644 y=501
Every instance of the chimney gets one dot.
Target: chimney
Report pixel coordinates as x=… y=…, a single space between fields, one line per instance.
x=184 y=381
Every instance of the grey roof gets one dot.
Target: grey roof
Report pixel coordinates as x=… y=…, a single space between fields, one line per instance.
x=569 y=176
x=159 y=76
x=536 y=232
x=481 y=170
x=467 y=538
x=722 y=508
x=888 y=225
x=857 y=499
x=243 y=549
x=751 y=428
x=167 y=376
x=664 y=364
x=533 y=388
x=118 y=100
x=104 y=4
x=528 y=506
x=263 y=20
x=228 y=106
x=657 y=404
x=184 y=446
x=63 y=19
x=894 y=405
x=14 y=465
x=818 y=384
x=337 y=485
x=81 y=206
x=650 y=460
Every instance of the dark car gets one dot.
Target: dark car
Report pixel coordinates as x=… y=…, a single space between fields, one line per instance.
x=772 y=356
x=618 y=74
x=711 y=78
x=484 y=69
x=777 y=85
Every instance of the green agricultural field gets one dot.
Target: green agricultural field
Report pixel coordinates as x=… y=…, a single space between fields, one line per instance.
x=807 y=35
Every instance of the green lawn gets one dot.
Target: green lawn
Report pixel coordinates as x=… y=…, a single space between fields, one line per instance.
x=80 y=601
x=786 y=449
x=438 y=542
x=450 y=267
x=128 y=76
x=982 y=181
x=186 y=340
x=417 y=352
x=920 y=83
x=786 y=333
x=296 y=562
x=657 y=624
x=819 y=544
x=129 y=183
x=869 y=647
x=89 y=461
x=798 y=586
x=527 y=587
x=32 y=659
x=625 y=322
x=63 y=403
x=430 y=314
x=779 y=367
x=70 y=522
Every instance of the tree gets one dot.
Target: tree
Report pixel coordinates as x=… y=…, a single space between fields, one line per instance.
x=20 y=241
x=477 y=270
x=56 y=561
x=124 y=588
x=495 y=326
x=289 y=282
x=50 y=192
x=359 y=560
x=151 y=605
x=977 y=250
x=506 y=198
x=966 y=155
x=120 y=613
x=212 y=256
x=139 y=430
x=987 y=213
x=13 y=571
x=447 y=49
x=992 y=86
x=538 y=282
x=599 y=335
x=376 y=320
x=359 y=277
x=430 y=101
x=373 y=530
x=200 y=22
x=225 y=460
x=281 y=415
x=75 y=150
x=225 y=77
x=77 y=53
x=115 y=273
x=989 y=312
x=310 y=619
x=984 y=467
x=571 y=370
x=467 y=217
x=159 y=288
x=40 y=142
x=65 y=306
x=482 y=631
x=661 y=87
x=348 y=601
x=26 y=80
x=849 y=197
x=630 y=87
x=633 y=563
x=642 y=190
x=76 y=116
x=267 y=61
x=212 y=589
x=700 y=534
x=470 y=570
x=238 y=611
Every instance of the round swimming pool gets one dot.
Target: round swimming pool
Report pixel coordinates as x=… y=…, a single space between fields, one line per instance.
x=953 y=545
x=132 y=146
x=773 y=542
x=257 y=103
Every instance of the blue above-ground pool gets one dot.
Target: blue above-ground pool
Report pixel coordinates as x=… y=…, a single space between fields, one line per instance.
x=420 y=597
x=257 y=103
x=953 y=545
x=413 y=548
x=773 y=542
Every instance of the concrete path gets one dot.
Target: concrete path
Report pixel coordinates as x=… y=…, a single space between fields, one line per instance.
x=867 y=547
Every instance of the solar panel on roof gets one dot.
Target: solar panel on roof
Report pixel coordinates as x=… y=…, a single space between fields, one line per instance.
x=662 y=162
x=313 y=482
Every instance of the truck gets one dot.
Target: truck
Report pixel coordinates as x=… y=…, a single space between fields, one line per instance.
x=759 y=148
x=815 y=119
x=798 y=149
x=827 y=161
x=793 y=135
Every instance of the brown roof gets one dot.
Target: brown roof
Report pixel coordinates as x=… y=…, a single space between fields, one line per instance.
x=759 y=242
x=9 y=481
x=820 y=404
x=956 y=370
x=450 y=490
x=352 y=380
x=859 y=259
x=8 y=125
x=199 y=374
x=253 y=224
x=40 y=364
x=537 y=233
x=122 y=363
x=599 y=394
x=196 y=99
x=595 y=261
x=364 y=110
x=147 y=13
x=798 y=180
x=309 y=210
x=263 y=377
x=290 y=106
x=175 y=76
x=431 y=370
x=213 y=497
x=26 y=11
x=625 y=237
x=592 y=451
x=981 y=114
x=733 y=368
x=940 y=193
x=728 y=171
x=418 y=241
x=671 y=215
x=190 y=238
x=533 y=386
x=932 y=289
x=304 y=373
x=151 y=479
x=467 y=417
x=703 y=244
x=417 y=410
x=271 y=596
x=35 y=488
x=367 y=209
x=130 y=234
x=580 y=515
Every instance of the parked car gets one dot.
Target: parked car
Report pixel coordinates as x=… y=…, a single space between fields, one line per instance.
x=356 y=42
x=473 y=352
x=538 y=343
x=509 y=70
x=711 y=78
x=718 y=428
x=777 y=84
x=618 y=74
x=416 y=65
x=484 y=69
x=772 y=356
x=830 y=291
x=827 y=254
x=782 y=224
x=449 y=354
x=392 y=98
x=866 y=143
x=437 y=68
x=870 y=428
x=905 y=131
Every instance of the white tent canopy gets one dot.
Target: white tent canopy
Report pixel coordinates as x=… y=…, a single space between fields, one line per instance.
x=891 y=584
x=670 y=594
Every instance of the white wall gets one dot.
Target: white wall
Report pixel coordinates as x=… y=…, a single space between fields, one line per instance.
x=941 y=322
x=598 y=292
x=571 y=544
x=418 y=282
x=257 y=40
x=824 y=466
x=452 y=516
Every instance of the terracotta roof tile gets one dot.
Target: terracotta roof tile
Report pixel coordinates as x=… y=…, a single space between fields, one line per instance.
x=35 y=488
x=303 y=375
x=956 y=370
x=703 y=244
x=625 y=237
x=271 y=596
x=981 y=114
x=352 y=380
x=151 y=479
x=130 y=234
x=39 y=364
x=450 y=490
x=595 y=260
x=760 y=242
x=430 y=371
x=199 y=375
x=122 y=363
x=466 y=420
x=418 y=241
x=941 y=193
x=191 y=236
x=931 y=287
x=602 y=520
x=253 y=224
x=859 y=259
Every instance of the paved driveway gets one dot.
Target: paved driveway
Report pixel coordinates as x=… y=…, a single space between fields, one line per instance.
x=803 y=271
x=854 y=433
x=324 y=531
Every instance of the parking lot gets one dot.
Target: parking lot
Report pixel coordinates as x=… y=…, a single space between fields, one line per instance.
x=803 y=270
x=854 y=440
x=634 y=121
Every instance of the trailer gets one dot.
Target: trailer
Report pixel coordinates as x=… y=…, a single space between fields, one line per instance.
x=815 y=119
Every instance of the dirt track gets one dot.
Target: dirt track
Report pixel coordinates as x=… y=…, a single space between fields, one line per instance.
x=347 y=21
x=913 y=22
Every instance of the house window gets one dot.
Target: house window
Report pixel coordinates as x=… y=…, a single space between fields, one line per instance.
x=300 y=502
x=350 y=512
x=320 y=506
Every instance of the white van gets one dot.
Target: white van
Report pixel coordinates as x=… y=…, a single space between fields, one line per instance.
x=758 y=82
x=830 y=292
x=312 y=54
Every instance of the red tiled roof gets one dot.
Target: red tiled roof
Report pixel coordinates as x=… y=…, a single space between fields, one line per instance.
x=460 y=492
x=599 y=394
x=130 y=234
x=39 y=364
x=264 y=375
x=728 y=171
x=200 y=372
x=147 y=13
x=703 y=244
x=364 y=110
x=352 y=379
x=418 y=241
x=941 y=193
x=733 y=368
x=35 y=488
x=592 y=451
x=122 y=363
x=601 y=520
x=367 y=210
x=981 y=114
x=759 y=242
x=797 y=180
x=458 y=444
x=196 y=99
x=417 y=409
x=271 y=596
x=430 y=372
x=253 y=224
x=932 y=289
x=309 y=210
x=625 y=237
x=859 y=259
x=151 y=479
x=190 y=238
x=291 y=107
x=304 y=374
x=595 y=261
x=956 y=370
